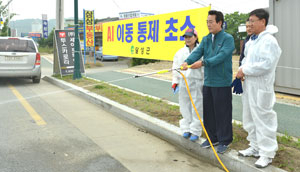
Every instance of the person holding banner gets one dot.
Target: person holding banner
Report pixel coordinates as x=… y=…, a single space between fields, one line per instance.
x=216 y=49
x=189 y=124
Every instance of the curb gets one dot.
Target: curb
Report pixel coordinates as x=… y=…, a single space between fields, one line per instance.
x=165 y=131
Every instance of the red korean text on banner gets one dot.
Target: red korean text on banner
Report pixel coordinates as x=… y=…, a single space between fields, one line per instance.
x=89 y=28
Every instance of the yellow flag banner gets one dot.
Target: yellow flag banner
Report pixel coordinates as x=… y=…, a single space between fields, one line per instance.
x=153 y=37
x=89 y=28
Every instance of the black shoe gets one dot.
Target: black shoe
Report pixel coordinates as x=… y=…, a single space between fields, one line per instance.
x=207 y=145
x=222 y=148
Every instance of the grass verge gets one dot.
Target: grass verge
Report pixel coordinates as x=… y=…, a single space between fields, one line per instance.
x=287 y=156
x=90 y=64
x=48 y=50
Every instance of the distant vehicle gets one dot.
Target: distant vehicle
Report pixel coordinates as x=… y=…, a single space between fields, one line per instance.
x=19 y=57
x=100 y=56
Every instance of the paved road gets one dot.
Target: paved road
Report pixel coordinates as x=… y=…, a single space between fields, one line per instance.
x=46 y=129
x=35 y=137
x=288 y=115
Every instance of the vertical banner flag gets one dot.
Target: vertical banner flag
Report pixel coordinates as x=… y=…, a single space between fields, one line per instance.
x=45 y=26
x=89 y=28
x=153 y=37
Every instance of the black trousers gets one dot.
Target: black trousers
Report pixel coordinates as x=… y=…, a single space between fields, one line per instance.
x=217 y=113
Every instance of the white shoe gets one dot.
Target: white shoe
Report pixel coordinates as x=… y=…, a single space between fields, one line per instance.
x=263 y=162
x=249 y=152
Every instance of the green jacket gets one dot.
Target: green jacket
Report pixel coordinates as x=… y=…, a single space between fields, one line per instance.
x=217 y=58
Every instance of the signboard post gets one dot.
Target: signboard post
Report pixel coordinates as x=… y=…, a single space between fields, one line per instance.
x=65 y=53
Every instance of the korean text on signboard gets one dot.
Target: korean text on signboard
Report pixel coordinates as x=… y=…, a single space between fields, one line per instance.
x=34 y=35
x=89 y=28
x=45 y=26
x=45 y=29
x=65 y=42
x=153 y=37
x=98 y=27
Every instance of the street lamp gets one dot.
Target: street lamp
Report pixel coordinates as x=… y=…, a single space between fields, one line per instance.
x=76 y=74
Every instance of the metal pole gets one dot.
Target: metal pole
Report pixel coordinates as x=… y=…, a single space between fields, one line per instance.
x=84 y=37
x=8 y=27
x=76 y=74
x=59 y=15
x=94 y=38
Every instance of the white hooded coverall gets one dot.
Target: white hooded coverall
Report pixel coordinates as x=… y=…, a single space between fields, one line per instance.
x=190 y=122
x=259 y=118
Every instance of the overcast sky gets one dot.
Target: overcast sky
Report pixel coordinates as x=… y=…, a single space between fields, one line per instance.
x=26 y=9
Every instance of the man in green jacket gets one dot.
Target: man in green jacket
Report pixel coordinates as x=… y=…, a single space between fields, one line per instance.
x=216 y=49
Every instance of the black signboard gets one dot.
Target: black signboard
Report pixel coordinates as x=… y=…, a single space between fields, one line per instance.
x=65 y=46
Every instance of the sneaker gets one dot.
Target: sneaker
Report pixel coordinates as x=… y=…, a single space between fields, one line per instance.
x=222 y=148
x=207 y=145
x=186 y=135
x=194 y=138
x=263 y=162
x=249 y=152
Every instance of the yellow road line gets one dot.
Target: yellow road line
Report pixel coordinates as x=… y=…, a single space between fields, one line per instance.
x=36 y=117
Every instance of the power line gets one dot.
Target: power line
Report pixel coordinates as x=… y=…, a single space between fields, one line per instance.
x=201 y=3
x=116 y=4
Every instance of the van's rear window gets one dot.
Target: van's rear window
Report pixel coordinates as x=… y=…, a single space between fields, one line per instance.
x=16 y=45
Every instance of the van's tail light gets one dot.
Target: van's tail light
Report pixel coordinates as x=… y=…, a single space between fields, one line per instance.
x=14 y=38
x=38 y=59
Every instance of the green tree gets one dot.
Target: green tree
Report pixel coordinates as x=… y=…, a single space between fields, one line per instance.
x=233 y=21
x=47 y=42
x=5 y=31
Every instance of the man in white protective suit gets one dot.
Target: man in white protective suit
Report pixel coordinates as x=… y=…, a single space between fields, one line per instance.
x=190 y=124
x=258 y=71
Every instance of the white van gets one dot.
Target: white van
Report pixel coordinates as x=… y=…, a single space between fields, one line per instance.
x=19 y=57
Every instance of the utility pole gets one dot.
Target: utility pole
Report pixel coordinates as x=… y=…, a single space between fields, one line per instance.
x=76 y=74
x=59 y=14
x=8 y=27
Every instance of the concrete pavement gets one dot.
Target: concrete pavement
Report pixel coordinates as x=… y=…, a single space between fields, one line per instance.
x=27 y=145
